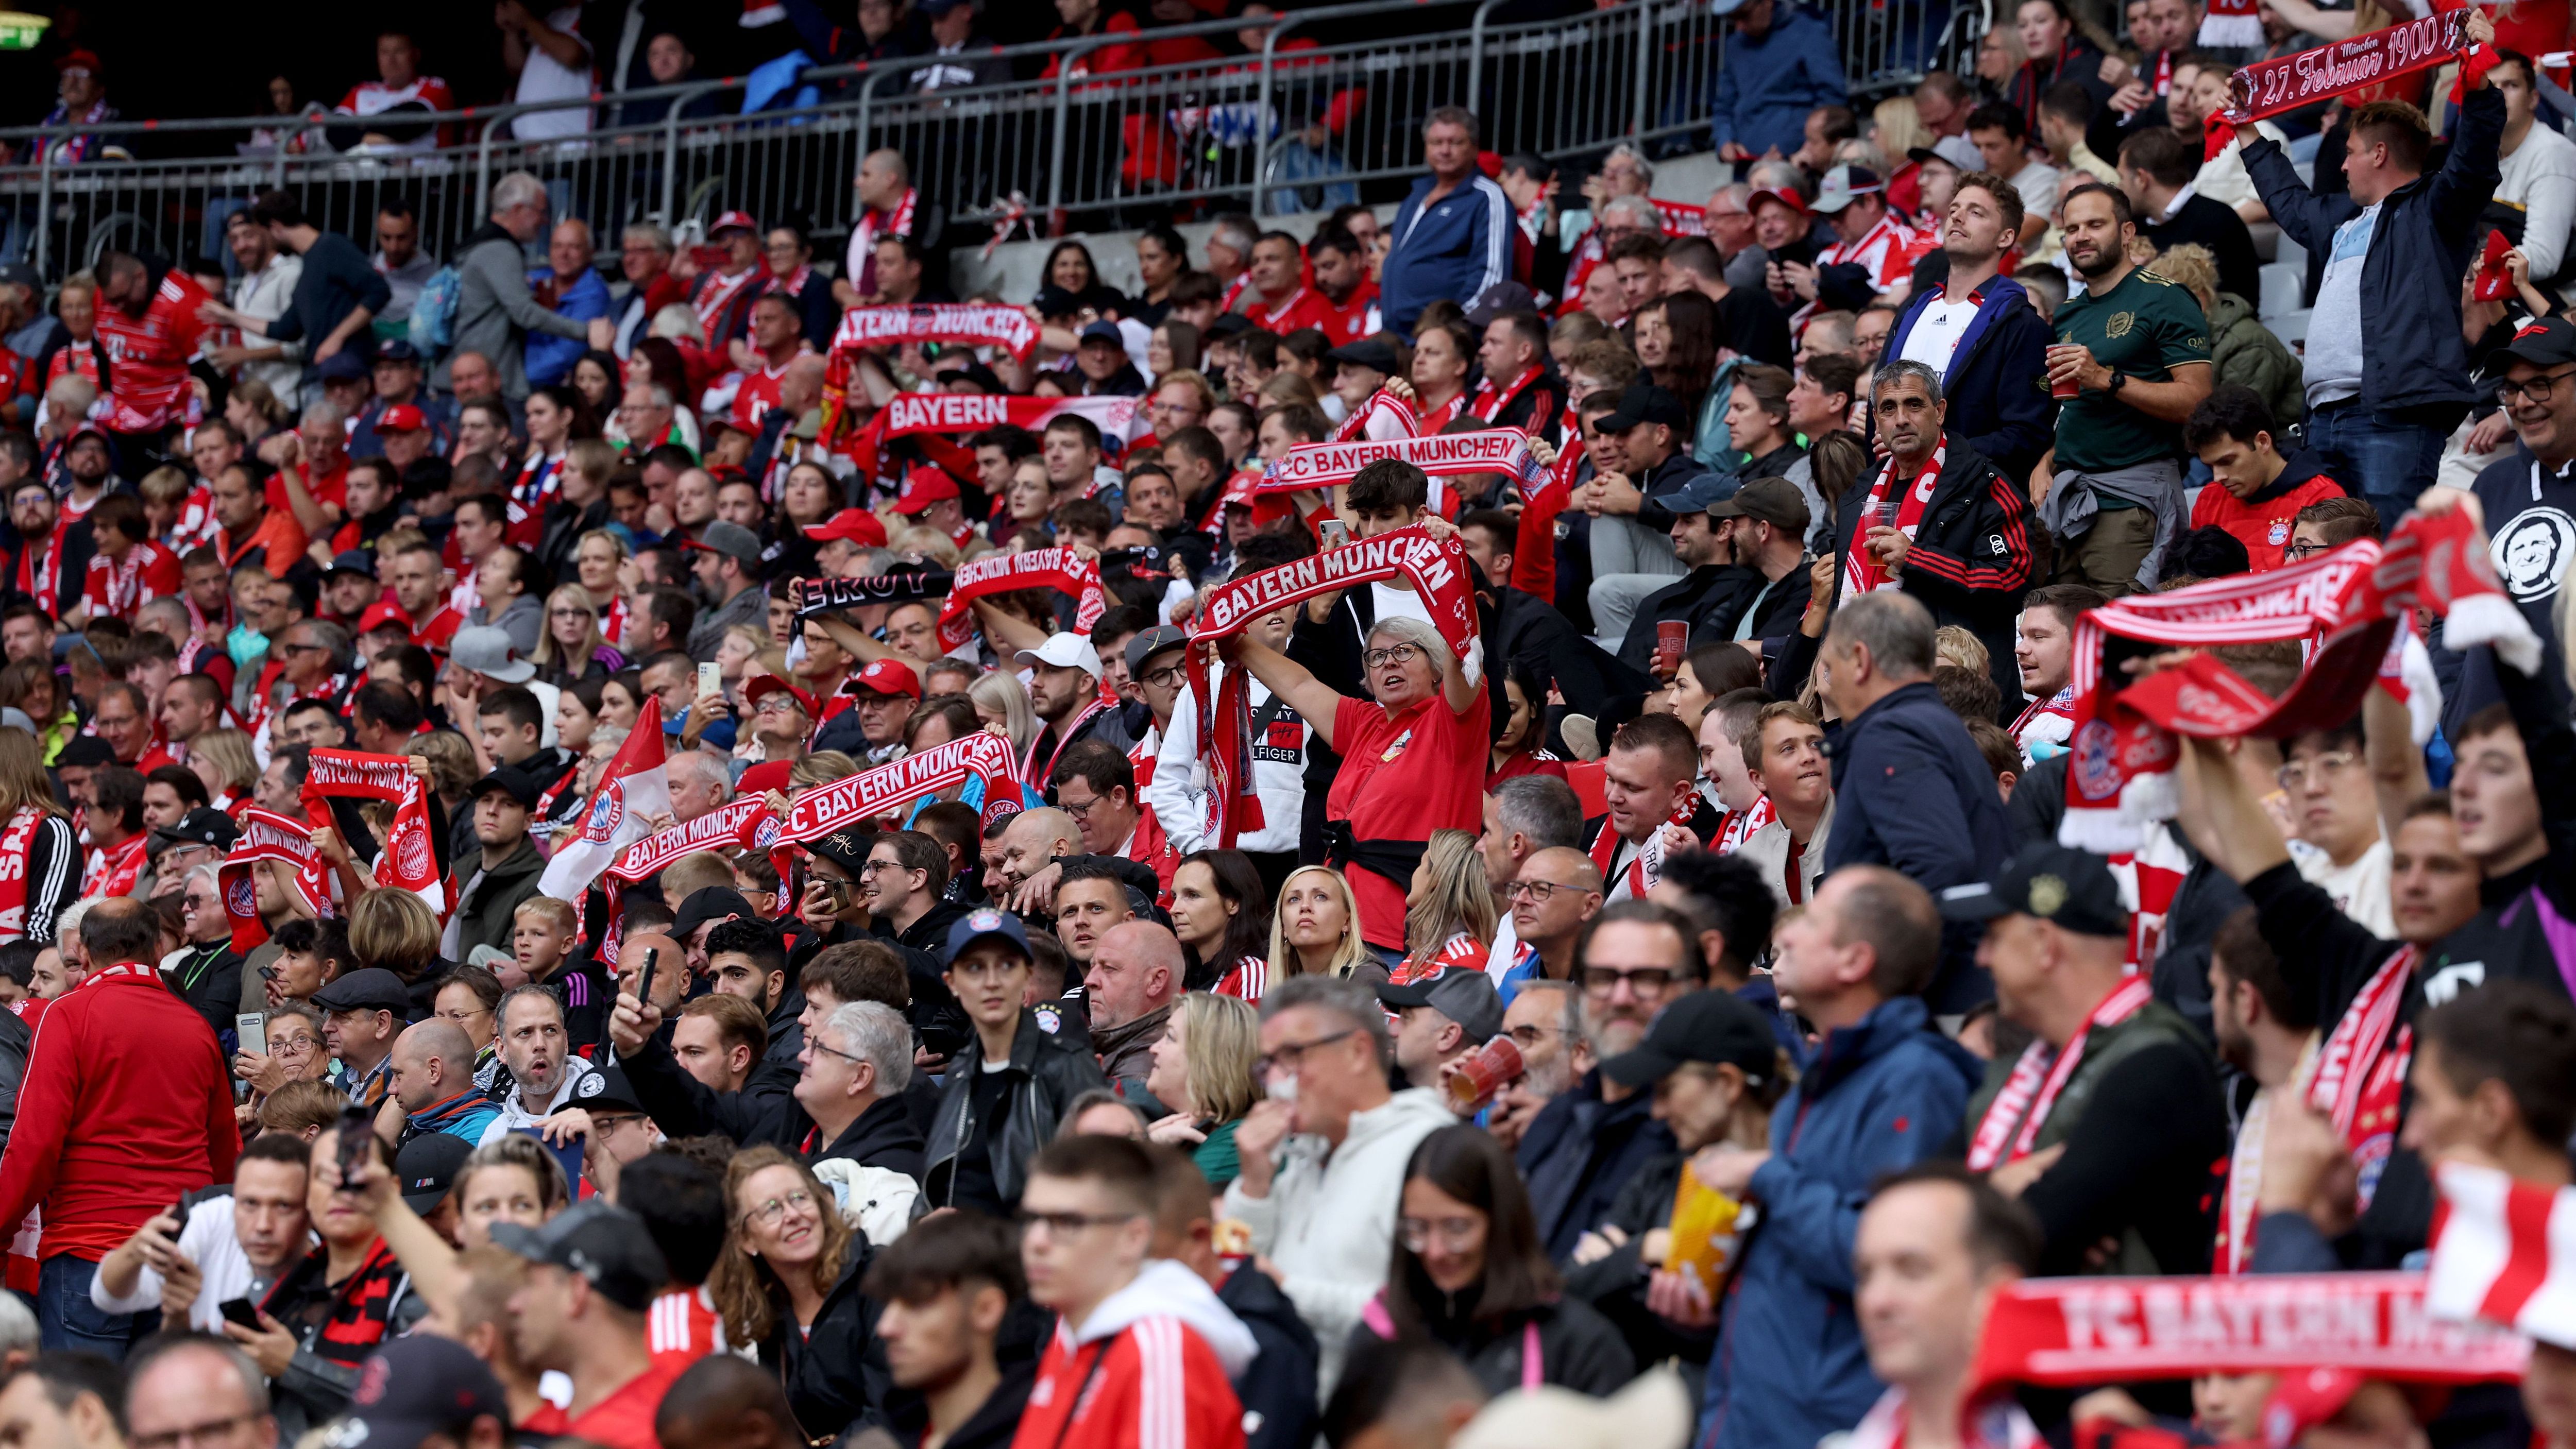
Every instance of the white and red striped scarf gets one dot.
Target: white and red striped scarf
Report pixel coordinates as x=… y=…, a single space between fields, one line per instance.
x=1862 y=572
x=2011 y=1126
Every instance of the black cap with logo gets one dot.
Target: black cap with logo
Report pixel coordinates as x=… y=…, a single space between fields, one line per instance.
x=2071 y=889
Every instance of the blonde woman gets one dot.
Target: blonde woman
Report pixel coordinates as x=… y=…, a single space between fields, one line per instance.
x=1316 y=930
x=395 y=930
x=1898 y=126
x=1449 y=915
x=1002 y=702
x=223 y=760
x=571 y=646
x=597 y=559
x=1203 y=1069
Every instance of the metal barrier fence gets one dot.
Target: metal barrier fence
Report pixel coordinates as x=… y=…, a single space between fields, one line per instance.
x=1326 y=109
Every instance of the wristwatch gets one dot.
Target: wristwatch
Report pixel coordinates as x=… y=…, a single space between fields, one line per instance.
x=2118 y=381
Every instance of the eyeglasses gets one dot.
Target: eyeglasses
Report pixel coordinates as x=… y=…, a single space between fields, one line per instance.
x=2305 y=550
x=1454 y=1234
x=1289 y=1057
x=205 y=1433
x=771 y=1211
x=816 y=1042
x=300 y=1041
x=1165 y=678
x=1649 y=981
x=1080 y=811
x=777 y=704
x=880 y=867
x=2536 y=389
x=2298 y=773
x=1396 y=654
x=1066 y=1224
x=1539 y=892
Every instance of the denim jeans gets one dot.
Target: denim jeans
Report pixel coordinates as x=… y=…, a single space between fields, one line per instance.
x=65 y=1318
x=2377 y=457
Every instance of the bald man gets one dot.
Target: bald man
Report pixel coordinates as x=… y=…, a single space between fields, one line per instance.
x=724 y=1402
x=433 y=1066
x=1557 y=890
x=1136 y=972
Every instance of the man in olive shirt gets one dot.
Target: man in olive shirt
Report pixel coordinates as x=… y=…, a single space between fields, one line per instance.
x=2136 y=348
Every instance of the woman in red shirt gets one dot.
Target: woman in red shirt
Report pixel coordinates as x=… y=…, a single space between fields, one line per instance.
x=1414 y=757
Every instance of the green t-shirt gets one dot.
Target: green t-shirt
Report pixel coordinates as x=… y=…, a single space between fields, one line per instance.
x=2146 y=327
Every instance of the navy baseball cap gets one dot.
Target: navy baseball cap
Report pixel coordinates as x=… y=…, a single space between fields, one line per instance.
x=413 y=1388
x=974 y=926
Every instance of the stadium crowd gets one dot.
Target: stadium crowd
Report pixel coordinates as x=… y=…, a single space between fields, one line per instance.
x=752 y=855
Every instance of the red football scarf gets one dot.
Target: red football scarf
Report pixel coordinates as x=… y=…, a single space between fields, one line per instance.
x=2070 y=1332
x=2361 y=1068
x=1438 y=571
x=1862 y=572
x=118 y=871
x=1007 y=328
x=1005 y=573
x=743 y=823
x=910 y=413
x=887 y=788
x=2274 y=87
x=269 y=836
x=1383 y=418
x=874 y=224
x=1489 y=401
x=2495 y=1258
x=2123 y=744
x=1680 y=218
x=16 y=842
x=2012 y=1122
x=1534 y=540
x=1495 y=450
x=410 y=861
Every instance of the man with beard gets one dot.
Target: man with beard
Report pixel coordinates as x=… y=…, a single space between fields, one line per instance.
x=2136 y=349
x=51 y=555
x=1636 y=958
x=2267 y=1031
x=545 y=1074
x=151 y=322
x=489 y=886
x=2044 y=655
x=1888 y=1090
x=1977 y=332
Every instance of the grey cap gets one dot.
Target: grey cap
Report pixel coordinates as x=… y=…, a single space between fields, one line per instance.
x=1464 y=994
x=486 y=650
x=1498 y=299
x=730 y=539
x=1150 y=642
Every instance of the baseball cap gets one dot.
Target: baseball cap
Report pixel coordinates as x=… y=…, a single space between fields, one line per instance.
x=1775 y=501
x=847 y=849
x=857 y=525
x=371 y=988
x=976 y=925
x=204 y=825
x=1781 y=194
x=1227 y=324
x=730 y=539
x=1498 y=299
x=923 y=487
x=1842 y=184
x=19 y=274
x=1065 y=651
x=80 y=60
x=1954 y=151
x=732 y=221
x=1150 y=642
x=606 y=1090
x=360 y=561
x=426 y=1168
x=486 y=650
x=85 y=750
x=509 y=780
x=386 y=611
x=1103 y=332
x=415 y=1387
x=1712 y=1027
x=1465 y=996
x=608 y=1246
x=401 y=418
x=1055 y=301
x=888 y=676
x=937 y=8
x=1374 y=353
x=400 y=351
x=2071 y=889
x=89 y=430
x=710 y=903
x=2548 y=342
x=765 y=685
x=1644 y=402
x=344 y=367
x=1701 y=494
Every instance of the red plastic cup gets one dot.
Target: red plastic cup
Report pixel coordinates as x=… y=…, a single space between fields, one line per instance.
x=2065 y=388
x=1479 y=1077
x=1672 y=636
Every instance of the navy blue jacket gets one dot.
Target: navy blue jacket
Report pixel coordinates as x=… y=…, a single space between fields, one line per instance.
x=2426 y=230
x=1997 y=382
x=1766 y=86
x=1453 y=251
x=1877 y=1096
x=1579 y=1151
x=1911 y=792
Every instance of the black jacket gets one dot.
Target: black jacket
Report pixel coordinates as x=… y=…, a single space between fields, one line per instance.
x=2426 y=229
x=1971 y=559
x=1578 y=1349
x=941 y=1022
x=16 y=1040
x=883 y=1136
x=1577 y=1154
x=1278 y=1387
x=835 y=1371
x=1616 y=1285
x=1521 y=628
x=2215 y=225
x=1047 y=1071
x=764 y=1111
x=1996 y=387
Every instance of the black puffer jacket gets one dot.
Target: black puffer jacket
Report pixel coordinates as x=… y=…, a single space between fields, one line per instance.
x=1578 y=1349
x=835 y=1371
x=1047 y=1071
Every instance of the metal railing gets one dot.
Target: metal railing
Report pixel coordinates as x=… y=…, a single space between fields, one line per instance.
x=1327 y=109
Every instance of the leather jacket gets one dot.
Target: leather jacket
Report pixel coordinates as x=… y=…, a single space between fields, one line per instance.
x=1047 y=1071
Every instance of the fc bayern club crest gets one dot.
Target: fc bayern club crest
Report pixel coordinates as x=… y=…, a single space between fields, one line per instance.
x=240 y=897
x=605 y=812
x=414 y=857
x=2097 y=774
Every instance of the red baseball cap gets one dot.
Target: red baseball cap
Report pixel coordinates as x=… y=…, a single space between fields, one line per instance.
x=923 y=487
x=80 y=60
x=733 y=221
x=401 y=418
x=1780 y=194
x=383 y=611
x=768 y=684
x=888 y=676
x=854 y=524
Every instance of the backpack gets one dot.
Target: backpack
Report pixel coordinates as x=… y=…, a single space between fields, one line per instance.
x=433 y=317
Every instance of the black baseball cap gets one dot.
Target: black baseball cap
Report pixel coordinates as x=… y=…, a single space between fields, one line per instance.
x=1374 y=353
x=204 y=825
x=359 y=561
x=606 y=1089
x=715 y=903
x=1714 y=1028
x=371 y=988
x=511 y=781
x=414 y=1387
x=609 y=1247
x=2547 y=342
x=427 y=1166
x=2072 y=889
x=88 y=751
x=1644 y=402
x=1464 y=995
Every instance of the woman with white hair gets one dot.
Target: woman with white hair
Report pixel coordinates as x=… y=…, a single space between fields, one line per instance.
x=1413 y=758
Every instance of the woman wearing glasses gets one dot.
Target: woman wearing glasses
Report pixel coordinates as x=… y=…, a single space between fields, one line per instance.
x=572 y=647
x=1469 y=1273
x=787 y=1284
x=295 y=1054
x=1414 y=754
